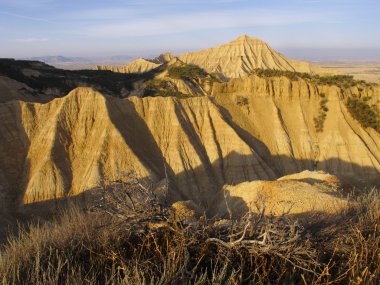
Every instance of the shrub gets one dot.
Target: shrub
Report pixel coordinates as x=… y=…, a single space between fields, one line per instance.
x=109 y=82
x=122 y=241
x=323 y=109
x=187 y=72
x=367 y=115
x=343 y=81
x=162 y=88
x=241 y=101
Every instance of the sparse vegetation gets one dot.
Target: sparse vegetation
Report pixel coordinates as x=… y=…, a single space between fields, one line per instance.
x=122 y=241
x=323 y=109
x=64 y=81
x=367 y=115
x=187 y=72
x=343 y=81
x=162 y=88
x=241 y=101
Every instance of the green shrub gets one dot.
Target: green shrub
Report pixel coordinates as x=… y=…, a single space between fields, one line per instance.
x=187 y=72
x=108 y=82
x=162 y=88
x=343 y=81
x=367 y=115
x=241 y=101
x=323 y=109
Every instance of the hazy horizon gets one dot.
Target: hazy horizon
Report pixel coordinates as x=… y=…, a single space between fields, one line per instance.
x=309 y=29
x=308 y=54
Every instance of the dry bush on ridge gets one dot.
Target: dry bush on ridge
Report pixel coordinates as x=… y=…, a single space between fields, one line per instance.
x=125 y=241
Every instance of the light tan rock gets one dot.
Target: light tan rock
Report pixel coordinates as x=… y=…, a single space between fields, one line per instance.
x=234 y=59
x=281 y=197
x=187 y=211
x=165 y=58
x=140 y=65
x=241 y=56
x=67 y=145
x=312 y=177
x=277 y=120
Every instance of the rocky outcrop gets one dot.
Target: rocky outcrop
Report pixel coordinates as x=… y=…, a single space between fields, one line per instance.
x=164 y=58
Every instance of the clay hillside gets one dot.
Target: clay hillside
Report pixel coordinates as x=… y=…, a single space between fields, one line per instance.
x=65 y=131
x=232 y=165
x=235 y=59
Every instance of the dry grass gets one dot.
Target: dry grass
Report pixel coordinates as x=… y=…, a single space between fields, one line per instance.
x=125 y=240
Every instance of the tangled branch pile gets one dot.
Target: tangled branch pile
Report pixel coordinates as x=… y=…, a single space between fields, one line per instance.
x=132 y=237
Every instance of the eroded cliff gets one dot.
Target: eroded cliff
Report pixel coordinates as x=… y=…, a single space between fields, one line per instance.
x=247 y=129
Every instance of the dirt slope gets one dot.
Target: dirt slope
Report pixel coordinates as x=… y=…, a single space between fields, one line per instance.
x=234 y=59
x=68 y=145
x=241 y=56
x=277 y=116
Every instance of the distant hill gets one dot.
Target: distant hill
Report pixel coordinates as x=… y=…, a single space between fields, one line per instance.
x=234 y=59
x=139 y=65
x=81 y=62
x=241 y=56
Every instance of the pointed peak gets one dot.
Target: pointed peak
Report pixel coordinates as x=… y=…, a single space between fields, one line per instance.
x=164 y=57
x=246 y=38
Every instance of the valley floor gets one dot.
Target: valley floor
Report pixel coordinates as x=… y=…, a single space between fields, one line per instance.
x=368 y=71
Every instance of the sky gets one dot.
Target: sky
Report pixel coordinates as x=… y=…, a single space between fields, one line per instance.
x=302 y=28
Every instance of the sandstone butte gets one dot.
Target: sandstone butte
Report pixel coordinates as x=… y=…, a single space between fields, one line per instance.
x=235 y=59
x=204 y=144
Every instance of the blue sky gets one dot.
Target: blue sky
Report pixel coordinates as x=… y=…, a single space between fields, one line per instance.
x=147 y=27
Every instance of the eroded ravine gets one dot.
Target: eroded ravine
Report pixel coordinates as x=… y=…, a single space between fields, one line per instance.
x=68 y=145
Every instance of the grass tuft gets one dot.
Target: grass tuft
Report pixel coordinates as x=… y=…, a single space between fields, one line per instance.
x=122 y=241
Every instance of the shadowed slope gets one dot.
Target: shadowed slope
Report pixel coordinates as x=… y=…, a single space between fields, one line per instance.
x=203 y=142
x=281 y=114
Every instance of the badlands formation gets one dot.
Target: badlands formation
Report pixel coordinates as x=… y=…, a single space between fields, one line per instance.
x=139 y=65
x=235 y=59
x=241 y=56
x=231 y=138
